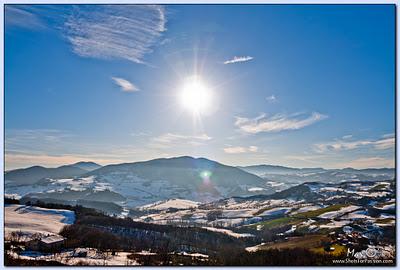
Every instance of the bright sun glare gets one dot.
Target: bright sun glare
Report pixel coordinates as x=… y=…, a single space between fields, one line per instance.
x=195 y=95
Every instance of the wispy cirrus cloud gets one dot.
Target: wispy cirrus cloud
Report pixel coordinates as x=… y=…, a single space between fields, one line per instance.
x=22 y=16
x=240 y=149
x=238 y=59
x=98 y=31
x=169 y=140
x=115 y=31
x=278 y=122
x=125 y=85
x=23 y=139
x=345 y=144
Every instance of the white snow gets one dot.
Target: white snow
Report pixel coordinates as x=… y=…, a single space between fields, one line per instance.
x=342 y=211
x=391 y=206
x=331 y=189
x=306 y=209
x=254 y=248
x=194 y=254
x=387 y=216
x=12 y=196
x=31 y=219
x=255 y=189
x=228 y=232
x=335 y=224
x=361 y=214
x=274 y=184
x=173 y=203
x=94 y=258
x=275 y=211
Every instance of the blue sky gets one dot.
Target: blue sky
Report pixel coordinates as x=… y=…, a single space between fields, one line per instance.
x=296 y=85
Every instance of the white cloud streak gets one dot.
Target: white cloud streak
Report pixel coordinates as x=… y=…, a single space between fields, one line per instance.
x=21 y=16
x=115 y=31
x=240 y=149
x=238 y=59
x=277 y=123
x=341 y=145
x=125 y=85
x=169 y=140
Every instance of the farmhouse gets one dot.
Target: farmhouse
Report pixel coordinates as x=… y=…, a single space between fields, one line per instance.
x=48 y=243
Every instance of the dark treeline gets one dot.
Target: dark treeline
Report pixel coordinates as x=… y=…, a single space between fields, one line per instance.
x=8 y=200
x=98 y=230
x=105 y=232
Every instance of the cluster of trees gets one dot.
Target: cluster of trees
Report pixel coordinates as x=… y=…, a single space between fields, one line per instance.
x=11 y=200
x=105 y=232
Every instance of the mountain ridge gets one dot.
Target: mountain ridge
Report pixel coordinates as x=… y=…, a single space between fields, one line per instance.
x=34 y=174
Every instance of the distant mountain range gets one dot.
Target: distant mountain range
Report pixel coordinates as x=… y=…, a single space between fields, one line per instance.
x=197 y=179
x=276 y=169
x=287 y=176
x=34 y=174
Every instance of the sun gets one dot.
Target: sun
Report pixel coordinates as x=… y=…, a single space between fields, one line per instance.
x=195 y=95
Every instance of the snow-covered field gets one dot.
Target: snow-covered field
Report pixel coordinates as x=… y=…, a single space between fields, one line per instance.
x=173 y=203
x=276 y=211
x=306 y=209
x=361 y=214
x=31 y=219
x=340 y=212
x=335 y=224
x=228 y=232
x=93 y=258
x=391 y=206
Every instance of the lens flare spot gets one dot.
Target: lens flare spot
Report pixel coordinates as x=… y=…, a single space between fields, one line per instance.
x=205 y=175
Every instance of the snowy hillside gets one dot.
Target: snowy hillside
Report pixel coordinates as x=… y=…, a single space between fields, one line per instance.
x=31 y=220
x=141 y=183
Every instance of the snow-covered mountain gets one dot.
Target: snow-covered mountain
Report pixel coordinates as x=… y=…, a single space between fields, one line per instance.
x=196 y=179
x=129 y=185
x=34 y=174
x=140 y=183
